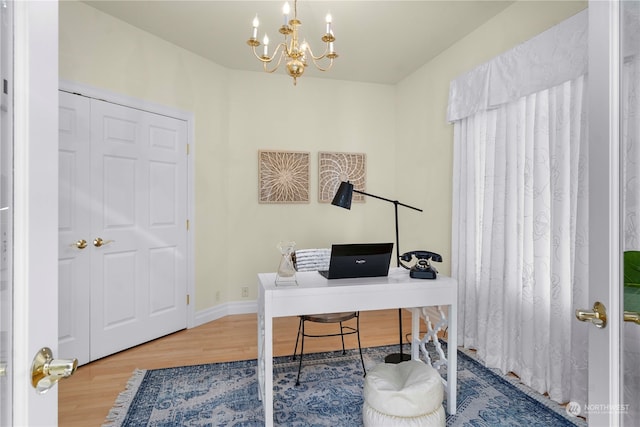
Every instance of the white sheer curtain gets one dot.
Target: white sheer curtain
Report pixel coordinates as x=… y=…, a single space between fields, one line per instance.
x=520 y=238
x=520 y=211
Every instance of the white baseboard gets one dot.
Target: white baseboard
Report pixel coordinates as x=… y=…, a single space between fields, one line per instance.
x=227 y=309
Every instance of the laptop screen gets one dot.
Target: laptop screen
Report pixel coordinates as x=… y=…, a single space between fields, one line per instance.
x=359 y=260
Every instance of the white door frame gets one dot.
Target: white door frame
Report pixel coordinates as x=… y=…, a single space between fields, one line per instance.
x=605 y=381
x=35 y=269
x=188 y=117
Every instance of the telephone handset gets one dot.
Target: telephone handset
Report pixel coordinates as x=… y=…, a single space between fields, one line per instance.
x=422 y=269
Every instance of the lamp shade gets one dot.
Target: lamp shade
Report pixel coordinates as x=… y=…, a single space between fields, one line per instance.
x=343 y=195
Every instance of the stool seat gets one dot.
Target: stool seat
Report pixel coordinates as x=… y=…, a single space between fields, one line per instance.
x=404 y=394
x=330 y=317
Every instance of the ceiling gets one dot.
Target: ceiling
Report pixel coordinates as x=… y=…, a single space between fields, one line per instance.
x=377 y=41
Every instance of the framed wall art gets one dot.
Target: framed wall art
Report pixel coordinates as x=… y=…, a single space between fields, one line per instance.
x=334 y=168
x=283 y=176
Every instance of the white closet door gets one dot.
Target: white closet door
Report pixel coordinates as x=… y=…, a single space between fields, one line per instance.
x=123 y=189
x=74 y=226
x=139 y=205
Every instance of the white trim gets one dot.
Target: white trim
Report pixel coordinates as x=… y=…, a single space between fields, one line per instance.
x=616 y=231
x=227 y=309
x=191 y=216
x=124 y=100
x=604 y=210
x=188 y=117
x=35 y=213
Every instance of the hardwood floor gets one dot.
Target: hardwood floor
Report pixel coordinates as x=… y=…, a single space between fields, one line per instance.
x=86 y=397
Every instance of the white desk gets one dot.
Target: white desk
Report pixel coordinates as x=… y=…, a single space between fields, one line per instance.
x=315 y=294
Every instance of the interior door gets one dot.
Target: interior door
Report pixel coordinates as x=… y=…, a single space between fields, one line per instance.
x=122 y=226
x=139 y=211
x=74 y=227
x=35 y=200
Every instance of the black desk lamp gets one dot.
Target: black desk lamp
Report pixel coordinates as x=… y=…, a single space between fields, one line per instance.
x=343 y=199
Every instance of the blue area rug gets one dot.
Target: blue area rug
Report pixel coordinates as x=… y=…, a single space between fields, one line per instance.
x=330 y=394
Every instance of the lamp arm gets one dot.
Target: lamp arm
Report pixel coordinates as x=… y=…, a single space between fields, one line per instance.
x=395 y=202
x=400 y=357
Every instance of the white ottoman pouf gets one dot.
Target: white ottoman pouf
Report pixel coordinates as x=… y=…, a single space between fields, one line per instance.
x=404 y=394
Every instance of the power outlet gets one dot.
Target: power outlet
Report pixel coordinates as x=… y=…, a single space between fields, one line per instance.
x=245 y=292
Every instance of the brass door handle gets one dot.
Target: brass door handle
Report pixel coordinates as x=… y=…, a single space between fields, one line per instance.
x=632 y=316
x=47 y=371
x=597 y=316
x=97 y=242
x=80 y=244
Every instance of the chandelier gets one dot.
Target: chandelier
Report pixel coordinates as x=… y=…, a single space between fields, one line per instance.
x=291 y=50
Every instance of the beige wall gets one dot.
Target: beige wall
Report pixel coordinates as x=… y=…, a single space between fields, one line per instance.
x=402 y=129
x=268 y=112
x=424 y=141
x=236 y=114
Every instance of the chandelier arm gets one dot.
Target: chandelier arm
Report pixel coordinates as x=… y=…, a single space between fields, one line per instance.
x=260 y=58
x=268 y=59
x=322 y=68
x=317 y=59
x=280 y=56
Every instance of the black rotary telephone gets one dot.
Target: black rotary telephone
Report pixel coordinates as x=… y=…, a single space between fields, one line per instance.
x=422 y=269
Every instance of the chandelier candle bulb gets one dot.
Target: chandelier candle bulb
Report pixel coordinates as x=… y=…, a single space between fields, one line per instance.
x=256 y=23
x=265 y=42
x=285 y=11
x=328 y=20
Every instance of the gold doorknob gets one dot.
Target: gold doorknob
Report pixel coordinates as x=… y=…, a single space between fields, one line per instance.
x=80 y=244
x=632 y=316
x=597 y=316
x=97 y=242
x=47 y=371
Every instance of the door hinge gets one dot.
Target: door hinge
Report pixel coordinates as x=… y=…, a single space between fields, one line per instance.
x=187 y=149
x=188 y=298
x=188 y=225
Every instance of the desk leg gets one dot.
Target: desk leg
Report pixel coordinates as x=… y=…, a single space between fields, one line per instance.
x=267 y=398
x=452 y=365
x=265 y=358
x=260 y=355
x=415 y=334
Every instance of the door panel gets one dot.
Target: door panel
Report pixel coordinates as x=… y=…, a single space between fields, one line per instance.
x=119 y=298
x=139 y=180
x=74 y=225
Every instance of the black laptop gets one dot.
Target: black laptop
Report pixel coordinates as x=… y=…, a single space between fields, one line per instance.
x=359 y=260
